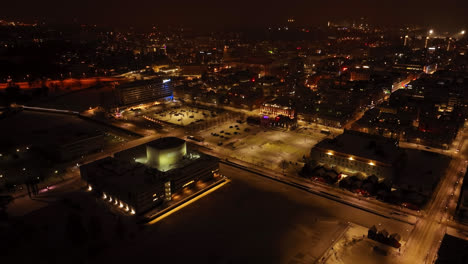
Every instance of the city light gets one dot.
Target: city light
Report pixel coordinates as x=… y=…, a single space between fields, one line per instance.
x=188 y=183
x=271 y=104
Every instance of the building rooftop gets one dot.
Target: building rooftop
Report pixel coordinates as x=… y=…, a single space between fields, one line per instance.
x=124 y=85
x=363 y=145
x=166 y=143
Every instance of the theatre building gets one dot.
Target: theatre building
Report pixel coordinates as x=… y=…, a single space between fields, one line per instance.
x=146 y=176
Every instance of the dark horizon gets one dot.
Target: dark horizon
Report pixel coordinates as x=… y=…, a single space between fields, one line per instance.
x=209 y=14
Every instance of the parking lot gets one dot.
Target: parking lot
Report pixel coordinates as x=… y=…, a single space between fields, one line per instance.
x=184 y=115
x=269 y=148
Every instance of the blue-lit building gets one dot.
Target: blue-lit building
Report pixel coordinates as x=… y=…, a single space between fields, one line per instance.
x=142 y=92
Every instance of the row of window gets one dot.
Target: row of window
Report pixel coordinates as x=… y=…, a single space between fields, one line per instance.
x=352 y=164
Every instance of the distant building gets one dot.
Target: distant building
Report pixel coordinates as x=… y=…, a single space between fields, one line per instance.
x=277 y=107
x=259 y=65
x=359 y=152
x=361 y=75
x=409 y=67
x=143 y=177
x=71 y=145
x=140 y=92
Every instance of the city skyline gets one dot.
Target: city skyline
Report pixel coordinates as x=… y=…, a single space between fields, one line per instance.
x=234 y=132
x=215 y=15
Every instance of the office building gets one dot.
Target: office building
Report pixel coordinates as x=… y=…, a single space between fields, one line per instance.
x=141 y=92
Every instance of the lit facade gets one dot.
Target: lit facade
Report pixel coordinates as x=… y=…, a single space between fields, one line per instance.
x=276 y=110
x=140 y=92
x=139 y=184
x=359 y=152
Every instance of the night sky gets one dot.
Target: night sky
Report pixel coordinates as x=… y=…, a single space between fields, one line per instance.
x=243 y=13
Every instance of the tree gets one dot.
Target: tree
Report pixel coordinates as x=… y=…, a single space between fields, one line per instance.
x=284 y=165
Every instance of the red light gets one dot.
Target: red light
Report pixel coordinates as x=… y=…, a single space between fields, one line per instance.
x=344 y=69
x=253 y=80
x=298 y=48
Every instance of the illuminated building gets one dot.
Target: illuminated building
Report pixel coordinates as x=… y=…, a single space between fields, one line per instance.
x=408 y=67
x=140 y=92
x=147 y=176
x=354 y=152
x=277 y=107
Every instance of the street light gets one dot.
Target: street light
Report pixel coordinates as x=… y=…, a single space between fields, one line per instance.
x=462 y=32
x=431 y=31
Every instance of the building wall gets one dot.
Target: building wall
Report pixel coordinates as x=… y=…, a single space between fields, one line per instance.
x=352 y=164
x=277 y=110
x=144 y=93
x=163 y=159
